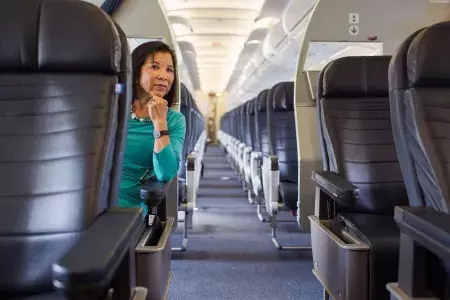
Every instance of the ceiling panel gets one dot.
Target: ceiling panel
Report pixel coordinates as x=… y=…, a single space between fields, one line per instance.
x=196 y=4
x=218 y=30
x=220 y=26
x=224 y=13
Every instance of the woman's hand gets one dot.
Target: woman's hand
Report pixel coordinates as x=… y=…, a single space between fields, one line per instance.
x=157 y=110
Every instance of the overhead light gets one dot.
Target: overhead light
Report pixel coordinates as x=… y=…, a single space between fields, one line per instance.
x=267 y=22
x=218 y=94
x=252 y=42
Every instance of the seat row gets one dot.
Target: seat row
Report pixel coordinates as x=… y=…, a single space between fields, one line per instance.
x=191 y=163
x=380 y=228
x=260 y=138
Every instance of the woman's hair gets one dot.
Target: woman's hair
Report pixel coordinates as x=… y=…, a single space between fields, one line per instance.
x=140 y=54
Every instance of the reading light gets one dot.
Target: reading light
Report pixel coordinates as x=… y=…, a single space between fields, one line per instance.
x=267 y=22
x=252 y=42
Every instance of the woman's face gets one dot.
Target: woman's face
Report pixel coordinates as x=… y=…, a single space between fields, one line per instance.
x=157 y=74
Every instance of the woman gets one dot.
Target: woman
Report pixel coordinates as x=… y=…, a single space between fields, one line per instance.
x=156 y=132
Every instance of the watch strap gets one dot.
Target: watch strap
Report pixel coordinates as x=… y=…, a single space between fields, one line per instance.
x=157 y=134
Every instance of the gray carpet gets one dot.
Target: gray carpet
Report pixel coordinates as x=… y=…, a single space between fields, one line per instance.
x=230 y=253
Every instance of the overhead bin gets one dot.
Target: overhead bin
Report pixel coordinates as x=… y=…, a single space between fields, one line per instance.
x=291 y=17
x=190 y=61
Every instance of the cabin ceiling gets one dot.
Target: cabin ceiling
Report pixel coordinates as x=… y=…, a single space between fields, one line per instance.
x=217 y=38
x=219 y=31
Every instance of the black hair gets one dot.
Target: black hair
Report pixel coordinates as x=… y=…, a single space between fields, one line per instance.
x=141 y=53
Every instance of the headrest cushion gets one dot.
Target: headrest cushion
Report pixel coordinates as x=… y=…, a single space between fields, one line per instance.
x=356 y=76
x=184 y=96
x=282 y=96
x=248 y=106
x=243 y=108
x=261 y=99
x=428 y=61
x=57 y=36
x=397 y=73
x=252 y=105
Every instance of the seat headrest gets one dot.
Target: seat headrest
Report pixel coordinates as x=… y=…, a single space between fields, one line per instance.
x=282 y=96
x=355 y=76
x=184 y=96
x=248 y=107
x=398 y=78
x=58 y=36
x=243 y=108
x=251 y=108
x=261 y=99
x=428 y=61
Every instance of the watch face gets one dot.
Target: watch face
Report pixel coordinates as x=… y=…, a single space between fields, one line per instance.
x=156 y=134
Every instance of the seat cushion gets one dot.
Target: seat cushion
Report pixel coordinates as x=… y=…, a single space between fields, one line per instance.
x=382 y=235
x=289 y=194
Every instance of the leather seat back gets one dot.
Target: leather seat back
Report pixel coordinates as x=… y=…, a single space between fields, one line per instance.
x=65 y=96
x=282 y=130
x=426 y=113
x=185 y=108
x=283 y=139
x=194 y=123
x=227 y=123
x=232 y=123
x=398 y=84
x=223 y=123
x=251 y=125
x=262 y=134
x=239 y=120
x=357 y=132
x=246 y=139
x=236 y=123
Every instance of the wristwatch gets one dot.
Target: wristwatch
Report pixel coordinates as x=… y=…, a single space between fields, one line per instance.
x=157 y=134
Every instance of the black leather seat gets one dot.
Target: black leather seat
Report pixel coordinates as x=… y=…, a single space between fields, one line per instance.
x=236 y=117
x=362 y=182
x=250 y=136
x=225 y=123
x=185 y=109
x=251 y=124
x=419 y=78
x=65 y=94
x=246 y=137
x=262 y=134
x=234 y=113
x=283 y=140
x=243 y=137
x=193 y=123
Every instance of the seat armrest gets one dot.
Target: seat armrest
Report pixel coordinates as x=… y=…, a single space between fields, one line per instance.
x=95 y=258
x=339 y=189
x=153 y=191
x=273 y=161
x=427 y=227
x=190 y=162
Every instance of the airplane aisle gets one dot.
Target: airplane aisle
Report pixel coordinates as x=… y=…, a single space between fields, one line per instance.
x=230 y=255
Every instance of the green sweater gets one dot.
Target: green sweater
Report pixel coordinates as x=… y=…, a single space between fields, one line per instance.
x=139 y=157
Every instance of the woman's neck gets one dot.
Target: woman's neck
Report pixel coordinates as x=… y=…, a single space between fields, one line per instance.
x=140 y=109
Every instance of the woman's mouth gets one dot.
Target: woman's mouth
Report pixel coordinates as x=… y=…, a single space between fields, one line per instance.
x=160 y=87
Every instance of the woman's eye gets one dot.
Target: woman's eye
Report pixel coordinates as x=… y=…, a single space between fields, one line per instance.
x=170 y=70
x=154 y=67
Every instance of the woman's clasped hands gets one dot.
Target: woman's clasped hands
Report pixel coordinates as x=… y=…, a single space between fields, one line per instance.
x=157 y=109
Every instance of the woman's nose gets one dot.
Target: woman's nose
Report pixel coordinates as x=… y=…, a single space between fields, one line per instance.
x=161 y=75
